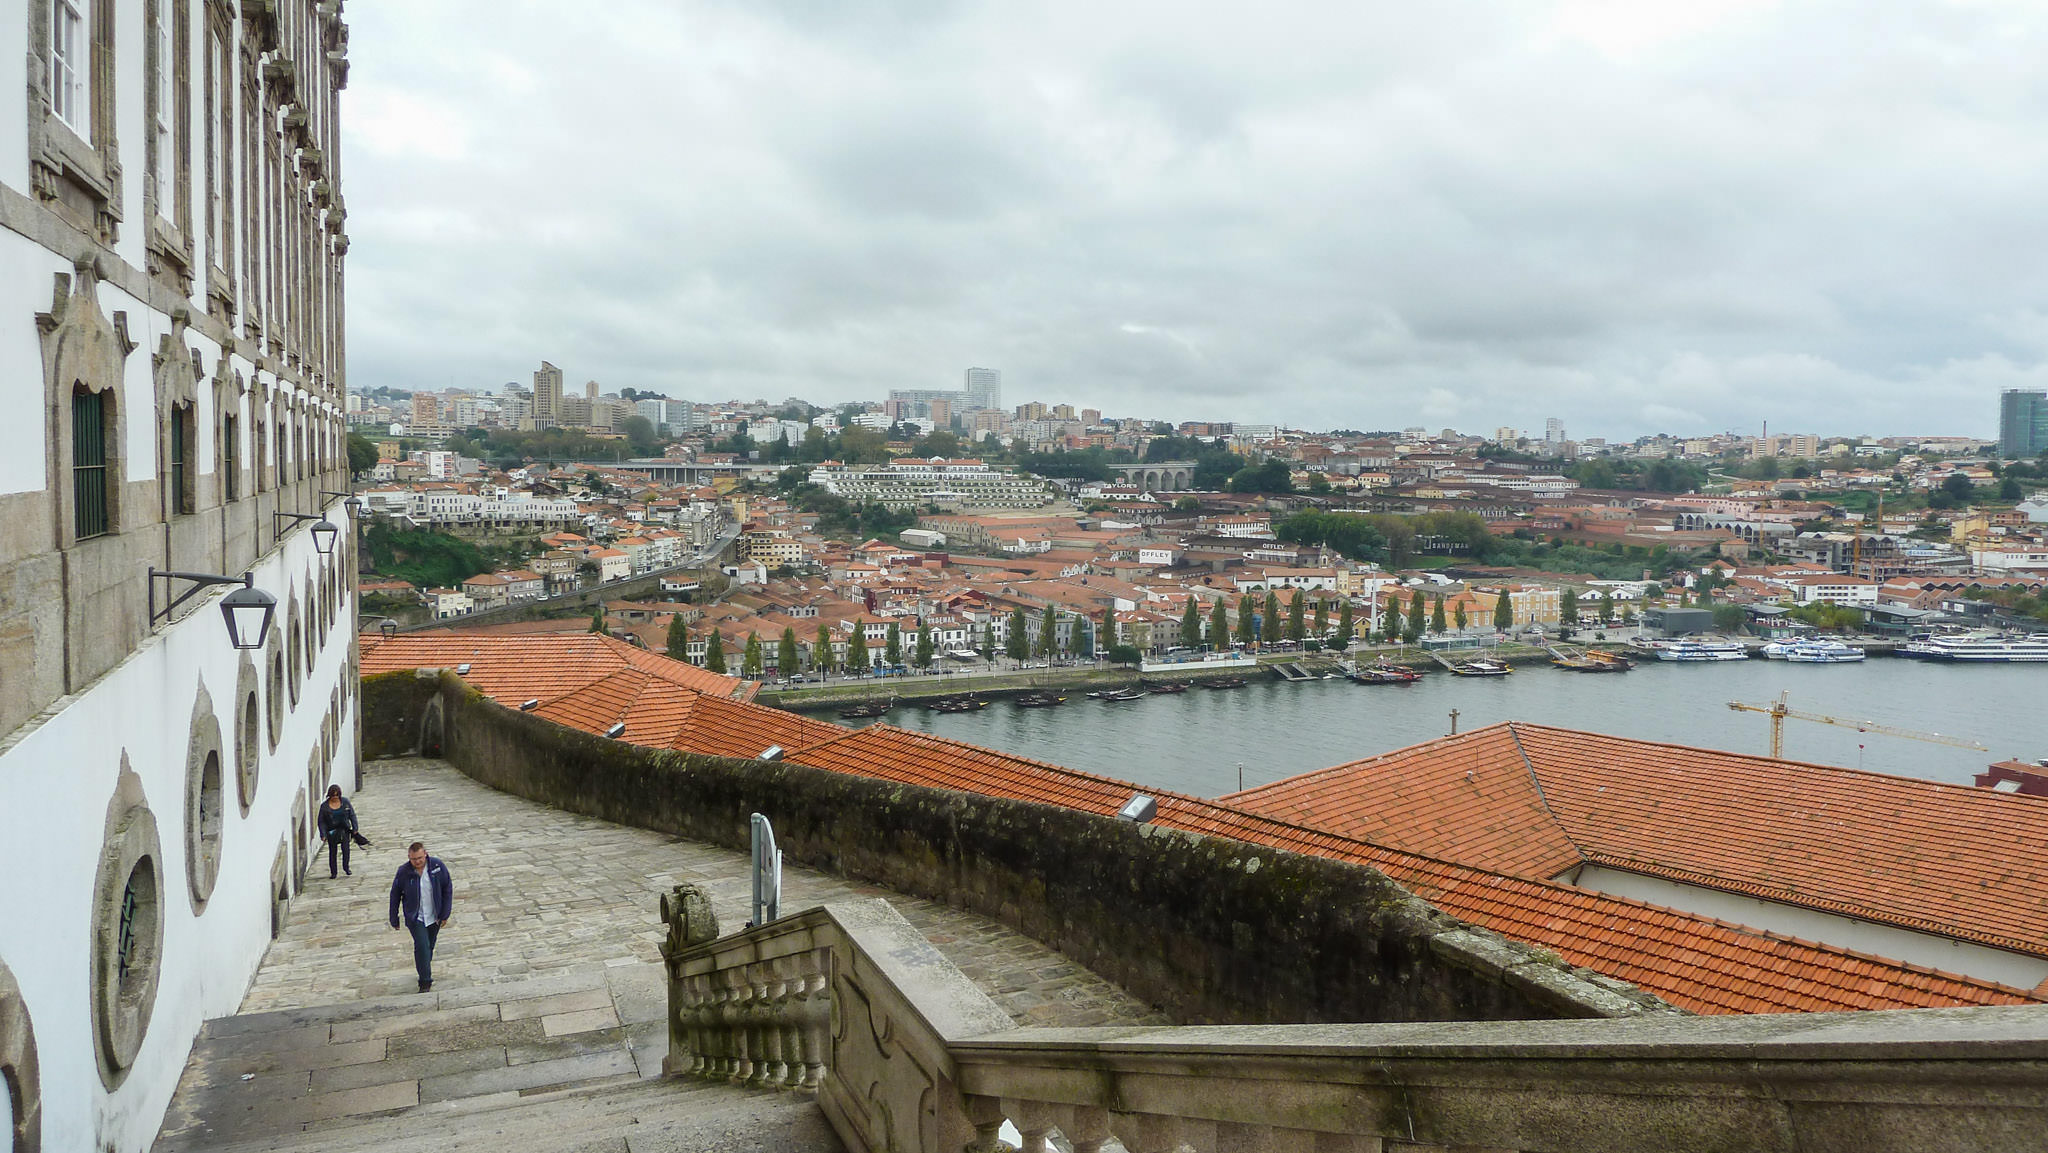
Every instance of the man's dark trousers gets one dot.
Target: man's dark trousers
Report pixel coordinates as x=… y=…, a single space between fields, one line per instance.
x=423 y=937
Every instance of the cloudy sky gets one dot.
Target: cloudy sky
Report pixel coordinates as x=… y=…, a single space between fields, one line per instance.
x=1637 y=215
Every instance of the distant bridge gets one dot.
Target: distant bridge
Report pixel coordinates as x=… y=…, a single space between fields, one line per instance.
x=1160 y=476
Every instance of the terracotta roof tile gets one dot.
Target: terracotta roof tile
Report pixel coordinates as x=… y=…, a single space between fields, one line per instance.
x=1693 y=962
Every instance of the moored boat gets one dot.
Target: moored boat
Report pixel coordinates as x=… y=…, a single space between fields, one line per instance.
x=1696 y=649
x=1480 y=668
x=868 y=709
x=1040 y=700
x=1385 y=674
x=1980 y=645
x=1167 y=686
x=1224 y=683
x=1822 y=652
x=1132 y=694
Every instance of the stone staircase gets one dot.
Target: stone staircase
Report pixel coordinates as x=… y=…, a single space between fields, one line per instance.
x=568 y=1062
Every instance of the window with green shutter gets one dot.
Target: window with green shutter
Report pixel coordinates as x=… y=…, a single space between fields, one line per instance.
x=89 y=463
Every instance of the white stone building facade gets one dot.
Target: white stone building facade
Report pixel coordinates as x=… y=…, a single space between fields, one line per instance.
x=172 y=236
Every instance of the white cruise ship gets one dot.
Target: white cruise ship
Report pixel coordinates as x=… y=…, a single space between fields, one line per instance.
x=1813 y=650
x=1982 y=645
x=1701 y=649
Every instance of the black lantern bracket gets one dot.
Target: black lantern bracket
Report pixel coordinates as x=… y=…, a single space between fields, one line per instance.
x=350 y=502
x=246 y=611
x=200 y=580
x=323 y=542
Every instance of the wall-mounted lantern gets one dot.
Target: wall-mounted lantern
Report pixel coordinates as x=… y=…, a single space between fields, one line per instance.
x=247 y=610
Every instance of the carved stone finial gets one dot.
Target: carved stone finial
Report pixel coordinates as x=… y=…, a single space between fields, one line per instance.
x=686 y=909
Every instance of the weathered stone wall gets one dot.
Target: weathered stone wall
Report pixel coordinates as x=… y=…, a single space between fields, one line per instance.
x=1211 y=930
x=394 y=704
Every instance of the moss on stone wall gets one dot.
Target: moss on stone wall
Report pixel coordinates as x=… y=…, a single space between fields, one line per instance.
x=1209 y=929
x=393 y=705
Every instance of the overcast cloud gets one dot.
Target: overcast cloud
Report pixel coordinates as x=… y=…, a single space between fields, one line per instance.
x=1636 y=215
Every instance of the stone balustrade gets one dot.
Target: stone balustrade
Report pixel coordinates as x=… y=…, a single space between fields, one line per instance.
x=905 y=1054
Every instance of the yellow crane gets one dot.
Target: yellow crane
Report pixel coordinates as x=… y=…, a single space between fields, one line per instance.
x=1778 y=710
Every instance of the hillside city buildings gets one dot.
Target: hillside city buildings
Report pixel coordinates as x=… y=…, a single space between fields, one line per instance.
x=173 y=235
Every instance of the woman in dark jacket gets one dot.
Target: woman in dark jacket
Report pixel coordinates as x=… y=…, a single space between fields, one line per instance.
x=338 y=827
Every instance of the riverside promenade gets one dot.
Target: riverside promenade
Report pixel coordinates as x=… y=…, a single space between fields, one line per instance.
x=548 y=986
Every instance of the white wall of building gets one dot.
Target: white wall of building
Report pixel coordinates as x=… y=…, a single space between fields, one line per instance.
x=57 y=776
x=1946 y=954
x=24 y=291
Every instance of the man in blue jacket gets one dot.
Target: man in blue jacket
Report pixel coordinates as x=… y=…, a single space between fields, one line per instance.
x=424 y=906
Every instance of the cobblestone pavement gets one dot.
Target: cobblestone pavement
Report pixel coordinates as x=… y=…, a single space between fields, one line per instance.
x=540 y=891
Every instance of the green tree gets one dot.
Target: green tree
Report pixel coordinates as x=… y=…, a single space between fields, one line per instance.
x=988 y=640
x=924 y=647
x=1436 y=616
x=597 y=619
x=787 y=662
x=1296 y=629
x=678 y=645
x=641 y=437
x=1958 y=487
x=1458 y=616
x=857 y=649
x=1567 y=608
x=1047 y=624
x=1606 y=606
x=1728 y=617
x=1018 y=643
x=2009 y=489
x=1187 y=504
x=1247 y=628
x=1190 y=626
x=1345 y=625
x=1416 y=615
x=1219 y=624
x=1504 y=612
x=892 y=646
x=1110 y=639
x=1322 y=625
x=1269 y=618
x=821 y=649
x=750 y=658
x=362 y=454
x=714 y=653
x=1084 y=638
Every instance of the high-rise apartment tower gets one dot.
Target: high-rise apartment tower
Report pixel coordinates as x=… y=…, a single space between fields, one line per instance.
x=984 y=389
x=2023 y=422
x=547 y=395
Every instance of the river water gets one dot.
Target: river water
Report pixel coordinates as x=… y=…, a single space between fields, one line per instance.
x=1195 y=742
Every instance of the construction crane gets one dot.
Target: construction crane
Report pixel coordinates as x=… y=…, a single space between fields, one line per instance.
x=1778 y=710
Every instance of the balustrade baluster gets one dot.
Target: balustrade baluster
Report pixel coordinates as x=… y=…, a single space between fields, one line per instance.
x=741 y=1066
x=1154 y=1133
x=1086 y=1127
x=813 y=1017
x=1033 y=1119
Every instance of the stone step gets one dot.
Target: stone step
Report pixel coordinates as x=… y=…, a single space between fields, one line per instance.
x=614 y=1117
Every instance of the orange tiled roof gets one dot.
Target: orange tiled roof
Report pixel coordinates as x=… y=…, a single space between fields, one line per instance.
x=519 y=668
x=1534 y=801
x=1693 y=962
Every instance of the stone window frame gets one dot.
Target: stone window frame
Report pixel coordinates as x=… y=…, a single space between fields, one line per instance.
x=218 y=79
x=74 y=164
x=84 y=351
x=205 y=800
x=20 y=1069
x=273 y=687
x=127 y=942
x=295 y=645
x=248 y=734
x=167 y=121
x=300 y=842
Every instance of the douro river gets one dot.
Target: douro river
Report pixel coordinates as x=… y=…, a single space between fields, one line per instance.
x=1194 y=742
